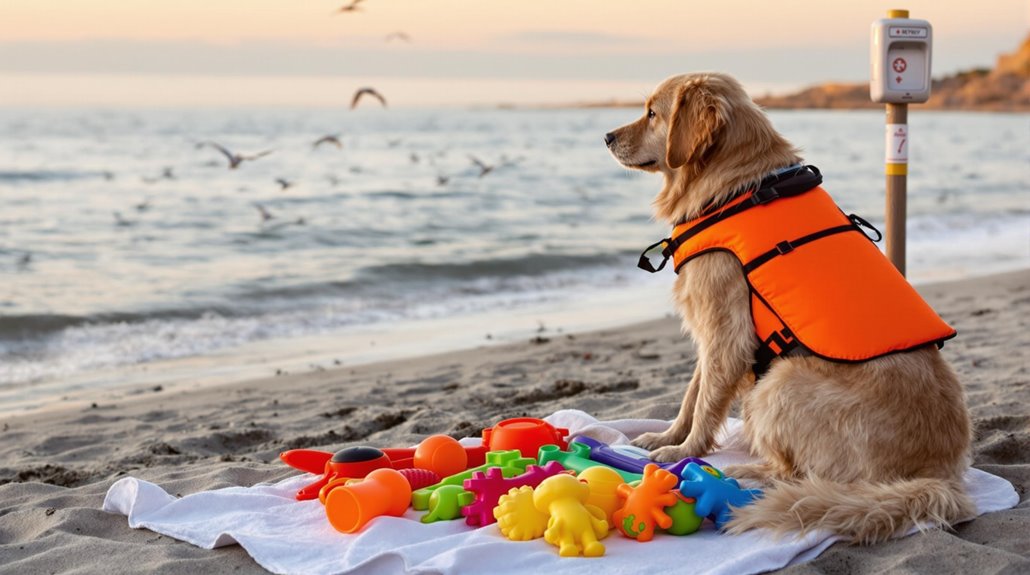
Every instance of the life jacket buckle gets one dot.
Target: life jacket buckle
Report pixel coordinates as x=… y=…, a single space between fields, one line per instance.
x=784 y=247
x=764 y=195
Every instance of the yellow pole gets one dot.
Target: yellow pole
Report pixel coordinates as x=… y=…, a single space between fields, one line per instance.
x=896 y=168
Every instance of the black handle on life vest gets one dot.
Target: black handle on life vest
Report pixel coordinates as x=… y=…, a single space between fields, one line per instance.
x=645 y=262
x=861 y=222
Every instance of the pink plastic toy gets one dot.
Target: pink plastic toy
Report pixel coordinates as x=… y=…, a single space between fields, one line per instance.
x=645 y=504
x=419 y=478
x=489 y=487
x=574 y=526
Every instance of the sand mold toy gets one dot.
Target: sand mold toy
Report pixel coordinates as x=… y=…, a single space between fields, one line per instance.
x=574 y=526
x=488 y=488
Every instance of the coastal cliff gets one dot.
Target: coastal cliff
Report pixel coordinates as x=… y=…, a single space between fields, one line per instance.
x=1005 y=88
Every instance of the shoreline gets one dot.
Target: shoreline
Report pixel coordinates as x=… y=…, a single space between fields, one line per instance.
x=374 y=343
x=57 y=465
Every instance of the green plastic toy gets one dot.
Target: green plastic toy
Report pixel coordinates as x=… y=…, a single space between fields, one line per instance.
x=684 y=520
x=446 y=502
x=510 y=462
x=578 y=459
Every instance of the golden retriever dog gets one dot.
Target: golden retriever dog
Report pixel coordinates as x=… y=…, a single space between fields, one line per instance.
x=866 y=450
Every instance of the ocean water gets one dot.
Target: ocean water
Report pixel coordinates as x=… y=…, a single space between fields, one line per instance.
x=124 y=242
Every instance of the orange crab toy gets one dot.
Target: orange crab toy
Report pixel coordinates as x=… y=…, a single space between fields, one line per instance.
x=645 y=504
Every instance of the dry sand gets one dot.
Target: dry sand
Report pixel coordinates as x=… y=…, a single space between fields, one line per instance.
x=56 y=467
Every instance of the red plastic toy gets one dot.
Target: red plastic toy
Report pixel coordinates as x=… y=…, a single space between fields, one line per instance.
x=440 y=454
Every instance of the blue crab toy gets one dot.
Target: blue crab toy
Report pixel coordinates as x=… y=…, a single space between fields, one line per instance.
x=714 y=492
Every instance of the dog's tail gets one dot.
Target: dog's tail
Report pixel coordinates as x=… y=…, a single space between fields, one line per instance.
x=860 y=512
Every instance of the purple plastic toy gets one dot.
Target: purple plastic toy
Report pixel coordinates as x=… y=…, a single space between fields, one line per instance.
x=603 y=453
x=489 y=487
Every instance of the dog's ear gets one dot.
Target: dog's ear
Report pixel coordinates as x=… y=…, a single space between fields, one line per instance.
x=697 y=117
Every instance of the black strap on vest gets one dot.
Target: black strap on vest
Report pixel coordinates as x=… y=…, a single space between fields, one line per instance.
x=792 y=183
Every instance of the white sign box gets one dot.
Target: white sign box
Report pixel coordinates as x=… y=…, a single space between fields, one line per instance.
x=899 y=60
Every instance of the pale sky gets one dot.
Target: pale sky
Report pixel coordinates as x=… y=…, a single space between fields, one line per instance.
x=610 y=47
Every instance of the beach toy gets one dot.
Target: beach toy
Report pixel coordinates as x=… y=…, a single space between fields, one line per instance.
x=487 y=488
x=714 y=492
x=526 y=434
x=383 y=492
x=684 y=520
x=577 y=458
x=644 y=505
x=446 y=503
x=419 y=478
x=517 y=516
x=603 y=483
x=574 y=526
x=349 y=463
x=441 y=454
x=603 y=453
x=510 y=462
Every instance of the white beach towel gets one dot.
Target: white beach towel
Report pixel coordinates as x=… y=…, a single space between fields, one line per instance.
x=288 y=536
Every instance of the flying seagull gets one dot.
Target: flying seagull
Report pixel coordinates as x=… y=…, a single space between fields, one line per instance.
x=352 y=7
x=265 y=214
x=333 y=139
x=484 y=169
x=371 y=92
x=236 y=159
x=284 y=184
x=120 y=220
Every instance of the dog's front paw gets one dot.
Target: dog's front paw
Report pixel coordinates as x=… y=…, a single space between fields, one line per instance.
x=669 y=454
x=652 y=441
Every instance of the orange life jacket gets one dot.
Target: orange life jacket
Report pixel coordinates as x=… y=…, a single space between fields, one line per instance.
x=818 y=284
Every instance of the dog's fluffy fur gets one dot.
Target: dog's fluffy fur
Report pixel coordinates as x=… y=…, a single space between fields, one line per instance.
x=865 y=450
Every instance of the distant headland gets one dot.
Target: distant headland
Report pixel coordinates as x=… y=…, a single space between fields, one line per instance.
x=1005 y=88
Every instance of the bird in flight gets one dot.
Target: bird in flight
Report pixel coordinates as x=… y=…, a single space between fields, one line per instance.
x=236 y=159
x=371 y=92
x=333 y=139
x=284 y=184
x=352 y=7
x=265 y=214
x=402 y=36
x=484 y=169
x=120 y=220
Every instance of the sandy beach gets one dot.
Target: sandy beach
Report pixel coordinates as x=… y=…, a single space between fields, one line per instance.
x=56 y=466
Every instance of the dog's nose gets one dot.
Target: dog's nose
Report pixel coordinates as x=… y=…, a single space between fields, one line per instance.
x=609 y=139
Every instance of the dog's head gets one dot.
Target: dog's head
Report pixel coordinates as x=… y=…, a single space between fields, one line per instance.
x=682 y=121
x=700 y=127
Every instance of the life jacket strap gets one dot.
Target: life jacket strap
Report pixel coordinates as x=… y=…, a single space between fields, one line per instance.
x=778 y=344
x=784 y=185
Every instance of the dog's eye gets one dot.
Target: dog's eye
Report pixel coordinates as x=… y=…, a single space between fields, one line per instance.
x=650 y=113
